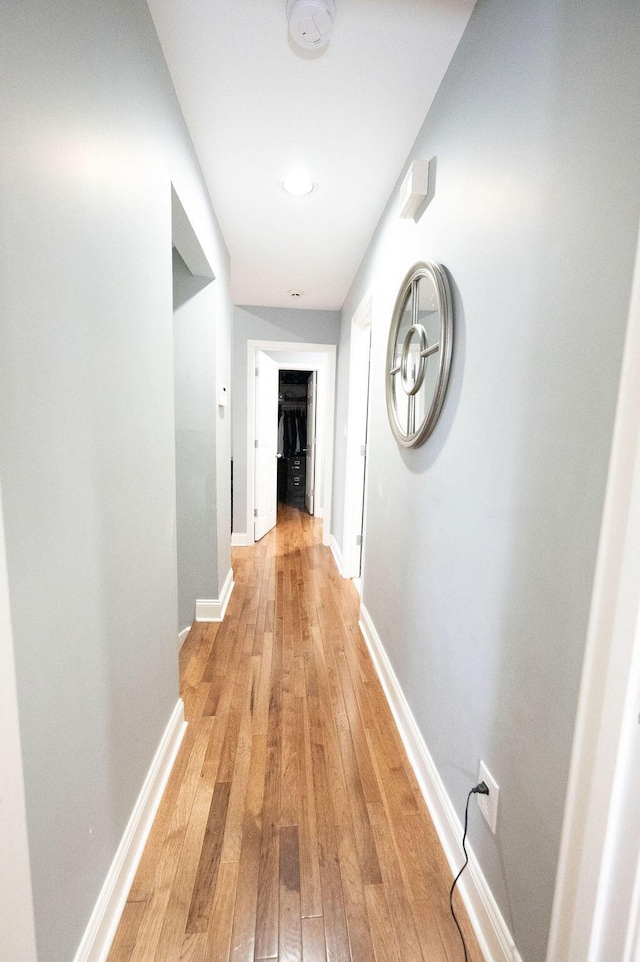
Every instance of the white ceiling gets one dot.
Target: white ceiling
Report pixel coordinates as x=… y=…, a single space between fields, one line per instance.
x=349 y=114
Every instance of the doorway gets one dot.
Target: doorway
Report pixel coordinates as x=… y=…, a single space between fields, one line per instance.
x=290 y=414
x=297 y=441
x=16 y=897
x=596 y=913
x=195 y=425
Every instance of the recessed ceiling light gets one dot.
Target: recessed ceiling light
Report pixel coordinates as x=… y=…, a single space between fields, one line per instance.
x=297 y=183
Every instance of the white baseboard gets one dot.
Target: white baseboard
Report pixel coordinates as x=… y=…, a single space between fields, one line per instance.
x=491 y=930
x=182 y=636
x=319 y=512
x=214 y=610
x=336 y=552
x=239 y=539
x=105 y=917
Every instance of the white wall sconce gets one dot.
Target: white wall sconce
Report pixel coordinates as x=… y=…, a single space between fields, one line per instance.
x=415 y=188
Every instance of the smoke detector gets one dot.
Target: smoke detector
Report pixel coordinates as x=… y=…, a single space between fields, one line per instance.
x=311 y=21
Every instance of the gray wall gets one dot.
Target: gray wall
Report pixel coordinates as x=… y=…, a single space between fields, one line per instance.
x=194 y=360
x=265 y=324
x=92 y=138
x=223 y=439
x=480 y=546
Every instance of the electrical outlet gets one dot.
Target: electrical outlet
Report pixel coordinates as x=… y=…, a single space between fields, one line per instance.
x=488 y=804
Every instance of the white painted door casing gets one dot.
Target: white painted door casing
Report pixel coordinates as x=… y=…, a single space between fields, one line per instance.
x=357 y=438
x=310 y=475
x=266 y=445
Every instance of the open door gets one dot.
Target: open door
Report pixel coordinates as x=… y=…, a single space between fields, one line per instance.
x=309 y=496
x=266 y=445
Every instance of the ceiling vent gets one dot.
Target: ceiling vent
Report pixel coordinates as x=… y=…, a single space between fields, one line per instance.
x=311 y=22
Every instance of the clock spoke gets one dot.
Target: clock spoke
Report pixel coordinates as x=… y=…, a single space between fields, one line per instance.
x=411 y=414
x=396 y=369
x=428 y=351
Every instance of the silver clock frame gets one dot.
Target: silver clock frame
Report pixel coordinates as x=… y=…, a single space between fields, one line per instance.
x=412 y=435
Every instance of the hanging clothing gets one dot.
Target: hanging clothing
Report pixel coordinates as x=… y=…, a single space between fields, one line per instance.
x=293 y=427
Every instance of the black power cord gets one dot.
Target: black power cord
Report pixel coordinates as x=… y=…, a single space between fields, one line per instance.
x=480 y=789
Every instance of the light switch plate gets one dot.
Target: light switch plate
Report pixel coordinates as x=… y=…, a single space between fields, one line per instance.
x=488 y=804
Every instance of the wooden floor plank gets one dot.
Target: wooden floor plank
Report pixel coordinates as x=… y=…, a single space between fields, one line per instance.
x=244 y=923
x=292 y=828
x=143 y=882
x=209 y=864
x=431 y=941
x=397 y=896
x=310 y=886
x=336 y=936
x=355 y=904
x=222 y=912
x=240 y=774
x=148 y=936
x=384 y=940
x=266 y=945
x=128 y=930
x=194 y=948
x=367 y=854
x=313 y=942
x=290 y=927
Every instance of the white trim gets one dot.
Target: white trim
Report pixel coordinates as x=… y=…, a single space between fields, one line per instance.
x=214 y=610
x=594 y=902
x=182 y=636
x=319 y=512
x=336 y=552
x=362 y=316
x=291 y=347
x=239 y=540
x=491 y=930
x=357 y=421
x=186 y=241
x=105 y=917
x=16 y=900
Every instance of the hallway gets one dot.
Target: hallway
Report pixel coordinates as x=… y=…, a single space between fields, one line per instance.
x=292 y=826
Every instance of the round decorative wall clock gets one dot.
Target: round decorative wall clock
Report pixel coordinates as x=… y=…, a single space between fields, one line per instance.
x=419 y=353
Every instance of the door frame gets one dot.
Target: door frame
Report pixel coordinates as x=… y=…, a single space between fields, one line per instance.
x=291 y=347
x=187 y=243
x=311 y=453
x=268 y=521
x=15 y=883
x=597 y=879
x=361 y=332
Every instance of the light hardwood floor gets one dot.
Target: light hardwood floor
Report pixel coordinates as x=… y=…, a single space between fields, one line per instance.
x=292 y=826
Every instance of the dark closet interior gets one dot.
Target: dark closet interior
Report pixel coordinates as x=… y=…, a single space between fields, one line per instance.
x=292 y=436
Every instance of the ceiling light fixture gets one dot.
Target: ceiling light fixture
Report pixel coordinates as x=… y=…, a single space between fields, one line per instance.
x=297 y=183
x=295 y=292
x=311 y=22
